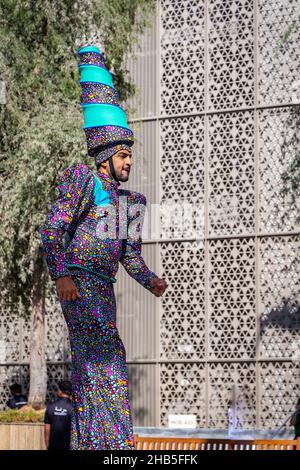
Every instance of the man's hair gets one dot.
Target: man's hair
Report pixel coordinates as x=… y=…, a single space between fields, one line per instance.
x=65 y=386
x=15 y=388
x=100 y=165
x=298 y=402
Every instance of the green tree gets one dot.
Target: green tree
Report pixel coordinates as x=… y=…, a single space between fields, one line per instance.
x=41 y=131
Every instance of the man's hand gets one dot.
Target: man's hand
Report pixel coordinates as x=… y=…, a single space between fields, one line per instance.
x=66 y=288
x=158 y=286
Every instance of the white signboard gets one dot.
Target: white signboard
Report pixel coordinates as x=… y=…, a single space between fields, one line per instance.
x=182 y=421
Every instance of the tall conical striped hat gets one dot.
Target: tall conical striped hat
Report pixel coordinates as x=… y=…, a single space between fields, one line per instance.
x=105 y=123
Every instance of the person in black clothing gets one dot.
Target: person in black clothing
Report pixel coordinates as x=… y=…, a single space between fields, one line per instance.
x=17 y=400
x=57 y=429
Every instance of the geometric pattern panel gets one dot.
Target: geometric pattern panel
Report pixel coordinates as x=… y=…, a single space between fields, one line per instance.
x=15 y=335
x=279 y=385
x=231 y=174
x=20 y=374
x=230 y=54
x=279 y=306
x=278 y=147
x=9 y=336
x=55 y=333
x=57 y=348
x=182 y=56
x=228 y=380
x=182 y=391
x=231 y=291
x=279 y=51
x=55 y=373
x=25 y=340
x=8 y=375
x=24 y=378
x=182 y=327
x=182 y=160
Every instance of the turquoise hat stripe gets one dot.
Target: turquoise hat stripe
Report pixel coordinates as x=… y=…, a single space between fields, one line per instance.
x=89 y=49
x=97 y=114
x=93 y=73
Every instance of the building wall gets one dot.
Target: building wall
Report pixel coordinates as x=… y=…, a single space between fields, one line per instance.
x=214 y=123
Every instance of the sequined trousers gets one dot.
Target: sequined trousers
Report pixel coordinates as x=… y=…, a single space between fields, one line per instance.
x=101 y=415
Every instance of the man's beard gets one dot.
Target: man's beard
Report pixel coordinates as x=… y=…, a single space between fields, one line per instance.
x=123 y=176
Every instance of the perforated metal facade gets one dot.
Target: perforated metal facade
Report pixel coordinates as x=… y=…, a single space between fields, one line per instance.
x=214 y=111
x=218 y=86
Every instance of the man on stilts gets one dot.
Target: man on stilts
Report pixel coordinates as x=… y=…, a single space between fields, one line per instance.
x=102 y=224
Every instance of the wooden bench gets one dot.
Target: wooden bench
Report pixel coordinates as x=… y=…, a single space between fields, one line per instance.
x=189 y=443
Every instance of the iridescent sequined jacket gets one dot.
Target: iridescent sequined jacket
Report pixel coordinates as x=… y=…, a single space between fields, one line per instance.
x=95 y=224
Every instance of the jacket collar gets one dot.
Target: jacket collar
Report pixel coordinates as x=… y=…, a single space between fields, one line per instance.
x=108 y=179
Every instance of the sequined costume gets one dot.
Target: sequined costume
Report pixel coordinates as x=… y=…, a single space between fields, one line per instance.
x=89 y=208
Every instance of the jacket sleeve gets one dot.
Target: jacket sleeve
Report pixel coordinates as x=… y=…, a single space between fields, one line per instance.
x=131 y=258
x=75 y=190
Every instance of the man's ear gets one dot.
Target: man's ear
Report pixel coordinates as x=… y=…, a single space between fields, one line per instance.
x=104 y=165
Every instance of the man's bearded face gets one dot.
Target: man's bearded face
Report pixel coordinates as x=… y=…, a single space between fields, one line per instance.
x=122 y=161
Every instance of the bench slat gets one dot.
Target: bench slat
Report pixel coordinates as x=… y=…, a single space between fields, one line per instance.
x=186 y=443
